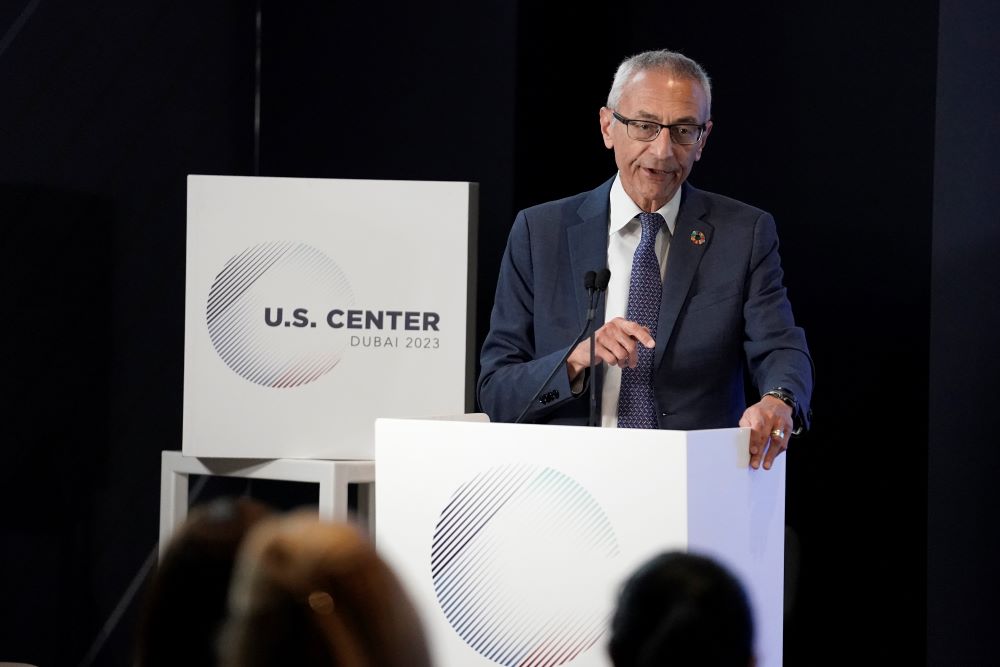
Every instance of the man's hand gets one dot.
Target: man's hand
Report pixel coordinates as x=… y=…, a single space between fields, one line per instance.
x=614 y=343
x=770 y=423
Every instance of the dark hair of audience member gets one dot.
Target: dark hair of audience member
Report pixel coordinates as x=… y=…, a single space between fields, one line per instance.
x=306 y=592
x=682 y=609
x=186 y=601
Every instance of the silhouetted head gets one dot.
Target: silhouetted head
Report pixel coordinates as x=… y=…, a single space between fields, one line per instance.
x=306 y=592
x=680 y=609
x=186 y=602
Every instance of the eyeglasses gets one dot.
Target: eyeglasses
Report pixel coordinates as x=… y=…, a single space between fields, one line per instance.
x=683 y=134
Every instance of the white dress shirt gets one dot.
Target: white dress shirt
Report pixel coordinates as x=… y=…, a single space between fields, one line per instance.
x=624 y=233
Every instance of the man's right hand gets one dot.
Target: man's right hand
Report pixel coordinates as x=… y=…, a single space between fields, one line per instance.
x=615 y=343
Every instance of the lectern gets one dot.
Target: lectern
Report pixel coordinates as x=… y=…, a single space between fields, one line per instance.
x=514 y=539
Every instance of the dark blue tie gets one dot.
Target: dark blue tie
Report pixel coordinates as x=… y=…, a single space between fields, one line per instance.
x=636 y=403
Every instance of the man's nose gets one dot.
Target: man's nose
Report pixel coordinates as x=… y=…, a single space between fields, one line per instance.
x=662 y=146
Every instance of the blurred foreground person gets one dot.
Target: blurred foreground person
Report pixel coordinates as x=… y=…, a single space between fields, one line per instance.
x=679 y=609
x=306 y=592
x=186 y=603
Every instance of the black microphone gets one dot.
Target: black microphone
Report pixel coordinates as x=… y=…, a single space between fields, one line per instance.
x=602 y=279
x=590 y=281
x=600 y=285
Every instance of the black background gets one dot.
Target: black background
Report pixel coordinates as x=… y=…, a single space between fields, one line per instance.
x=870 y=130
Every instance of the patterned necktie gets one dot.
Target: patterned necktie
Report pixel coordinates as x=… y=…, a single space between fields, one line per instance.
x=636 y=403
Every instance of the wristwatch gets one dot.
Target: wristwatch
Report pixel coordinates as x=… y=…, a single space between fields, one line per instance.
x=788 y=398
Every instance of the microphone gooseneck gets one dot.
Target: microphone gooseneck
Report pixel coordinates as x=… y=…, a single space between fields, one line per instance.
x=600 y=285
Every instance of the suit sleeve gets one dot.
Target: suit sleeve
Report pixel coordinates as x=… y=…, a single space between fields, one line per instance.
x=776 y=350
x=511 y=373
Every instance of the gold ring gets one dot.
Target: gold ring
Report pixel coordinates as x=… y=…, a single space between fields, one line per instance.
x=778 y=433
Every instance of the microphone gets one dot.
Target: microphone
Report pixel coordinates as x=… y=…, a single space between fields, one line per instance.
x=600 y=285
x=590 y=282
x=602 y=279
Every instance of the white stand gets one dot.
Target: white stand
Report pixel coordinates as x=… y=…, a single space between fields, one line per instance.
x=513 y=539
x=333 y=478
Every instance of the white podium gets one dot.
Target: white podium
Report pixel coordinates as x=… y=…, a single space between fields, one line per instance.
x=514 y=539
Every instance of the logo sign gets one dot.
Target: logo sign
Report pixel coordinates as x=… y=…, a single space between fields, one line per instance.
x=511 y=601
x=249 y=333
x=315 y=306
x=277 y=346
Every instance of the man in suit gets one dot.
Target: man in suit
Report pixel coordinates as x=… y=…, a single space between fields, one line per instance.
x=695 y=301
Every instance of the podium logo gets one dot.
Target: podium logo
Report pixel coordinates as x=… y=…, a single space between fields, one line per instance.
x=259 y=348
x=512 y=560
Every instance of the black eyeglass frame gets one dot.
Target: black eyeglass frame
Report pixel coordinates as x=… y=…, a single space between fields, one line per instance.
x=628 y=121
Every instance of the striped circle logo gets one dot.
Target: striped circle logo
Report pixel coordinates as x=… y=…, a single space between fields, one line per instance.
x=273 y=280
x=512 y=601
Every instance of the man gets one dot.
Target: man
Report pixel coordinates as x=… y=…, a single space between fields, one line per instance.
x=695 y=298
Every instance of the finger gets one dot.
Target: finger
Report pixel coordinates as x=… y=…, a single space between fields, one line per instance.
x=633 y=353
x=757 y=437
x=620 y=350
x=610 y=347
x=776 y=445
x=778 y=442
x=629 y=355
x=756 y=449
x=608 y=356
x=758 y=441
x=745 y=423
x=639 y=333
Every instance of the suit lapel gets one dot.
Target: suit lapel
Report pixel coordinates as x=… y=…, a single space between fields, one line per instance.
x=588 y=251
x=588 y=246
x=692 y=236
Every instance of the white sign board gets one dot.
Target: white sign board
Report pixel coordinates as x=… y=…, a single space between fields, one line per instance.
x=314 y=306
x=514 y=539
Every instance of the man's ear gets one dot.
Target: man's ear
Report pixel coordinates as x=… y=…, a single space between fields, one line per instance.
x=704 y=140
x=606 y=120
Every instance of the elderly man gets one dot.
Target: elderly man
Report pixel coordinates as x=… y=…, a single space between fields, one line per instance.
x=695 y=299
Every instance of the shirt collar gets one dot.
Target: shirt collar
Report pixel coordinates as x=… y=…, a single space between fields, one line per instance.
x=623 y=209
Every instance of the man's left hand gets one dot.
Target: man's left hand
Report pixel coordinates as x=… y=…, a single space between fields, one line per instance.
x=770 y=424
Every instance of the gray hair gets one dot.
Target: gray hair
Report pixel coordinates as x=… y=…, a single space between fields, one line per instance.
x=669 y=61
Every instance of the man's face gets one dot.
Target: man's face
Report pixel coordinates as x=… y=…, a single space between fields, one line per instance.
x=651 y=171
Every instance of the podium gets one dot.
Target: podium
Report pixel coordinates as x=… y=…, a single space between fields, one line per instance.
x=514 y=539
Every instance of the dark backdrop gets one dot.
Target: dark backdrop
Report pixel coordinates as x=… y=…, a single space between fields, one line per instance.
x=825 y=115
x=963 y=541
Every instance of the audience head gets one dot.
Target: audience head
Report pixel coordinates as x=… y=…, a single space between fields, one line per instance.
x=186 y=602
x=682 y=609
x=306 y=592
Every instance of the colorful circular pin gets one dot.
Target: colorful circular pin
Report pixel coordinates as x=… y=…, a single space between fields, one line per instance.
x=697 y=237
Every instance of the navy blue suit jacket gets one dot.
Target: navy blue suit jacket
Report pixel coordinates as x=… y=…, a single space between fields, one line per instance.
x=724 y=313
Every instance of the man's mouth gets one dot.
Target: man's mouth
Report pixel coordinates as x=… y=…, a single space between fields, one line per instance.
x=658 y=173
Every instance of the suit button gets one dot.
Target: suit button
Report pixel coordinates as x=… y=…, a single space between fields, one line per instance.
x=548 y=396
